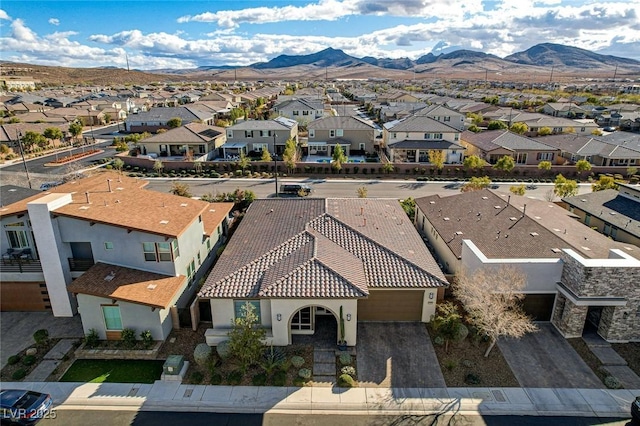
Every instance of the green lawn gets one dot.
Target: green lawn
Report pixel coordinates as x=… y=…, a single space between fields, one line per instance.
x=114 y=371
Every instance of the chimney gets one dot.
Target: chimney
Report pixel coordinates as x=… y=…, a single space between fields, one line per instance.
x=361 y=211
x=109 y=184
x=364 y=221
x=87 y=195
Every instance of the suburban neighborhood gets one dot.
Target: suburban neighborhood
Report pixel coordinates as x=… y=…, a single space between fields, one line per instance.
x=183 y=243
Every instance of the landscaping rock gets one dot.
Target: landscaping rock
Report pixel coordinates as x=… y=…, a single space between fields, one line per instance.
x=31 y=351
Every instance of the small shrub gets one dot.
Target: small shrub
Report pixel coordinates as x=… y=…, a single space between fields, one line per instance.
x=472 y=379
x=19 y=374
x=29 y=360
x=259 y=379
x=348 y=369
x=345 y=358
x=279 y=378
x=235 y=377
x=346 y=381
x=91 y=339
x=216 y=379
x=612 y=382
x=147 y=338
x=41 y=336
x=201 y=354
x=297 y=361
x=304 y=373
x=13 y=359
x=450 y=364
x=197 y=377
x=467 y=363
x=438 y=340
x=223 y=349
x=128 y=337
x=462 y=333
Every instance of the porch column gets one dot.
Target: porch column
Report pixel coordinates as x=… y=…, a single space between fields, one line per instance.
x=568 y=318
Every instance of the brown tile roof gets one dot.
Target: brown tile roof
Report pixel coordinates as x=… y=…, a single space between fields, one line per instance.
x=129 y=285
x=322 y=248
x=129 y=206
x=496 y=224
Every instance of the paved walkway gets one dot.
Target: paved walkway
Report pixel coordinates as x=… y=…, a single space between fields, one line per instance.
x=611 y=361
x=173 y=396
x=50 y=361
x=545 y=359
x=17 y=328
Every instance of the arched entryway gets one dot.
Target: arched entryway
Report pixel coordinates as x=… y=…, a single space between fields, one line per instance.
x=313 y=324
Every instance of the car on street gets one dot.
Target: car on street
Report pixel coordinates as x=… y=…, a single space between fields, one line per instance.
x=24 y=407
x=609 y=129
x=48 y=185
x=298 y=189
x=635 y=410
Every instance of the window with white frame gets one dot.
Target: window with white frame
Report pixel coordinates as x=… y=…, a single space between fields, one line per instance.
x=447 y=118
x=160 y=252
x=108 y=245
x=437 y=135
x=427 y=135
x=339 y=132
x=312 y=133
x=18 y=239
x=302 y=320
x=544 y=156
x=332 y=133
x=265 y=133
x=259 y=147
x=248 y=133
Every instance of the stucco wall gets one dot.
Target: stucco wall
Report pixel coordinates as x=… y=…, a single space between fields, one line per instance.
x=137 y=317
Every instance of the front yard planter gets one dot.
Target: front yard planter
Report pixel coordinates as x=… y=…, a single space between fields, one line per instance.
x=115 y=353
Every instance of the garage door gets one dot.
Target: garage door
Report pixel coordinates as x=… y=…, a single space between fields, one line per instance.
x=24 y=296
x=391 y=305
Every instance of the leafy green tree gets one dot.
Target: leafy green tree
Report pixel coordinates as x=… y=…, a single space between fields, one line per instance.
x=632 y=170
x=31 y=139
x=409 y=207
x=544 y=165
x=473 y=162
x=505 y=164
x=174 y=122
x=291 y=154
x=388 y=167
x=107 y=118
x=53 y=133
x=496 y=125
x=519 y=128
x=181 y=189
x=604 y=182
x=14 y=120
x=473 y=128
x=4 y=149
x=244 y=161
x=338 y=157
x=582 y=166
x=362 y=192
x=545 y=131
x=518 y=189
x=75 y=129
x=476 y=184
x=475 y=118
x=437 y=157
x=447 y=323
x=118 y=164
x=266 y=155
x=564 y=187
x=245 y=338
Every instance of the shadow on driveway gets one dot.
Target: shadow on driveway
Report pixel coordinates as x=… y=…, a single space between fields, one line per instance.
x=544 y=359
x=397 y=354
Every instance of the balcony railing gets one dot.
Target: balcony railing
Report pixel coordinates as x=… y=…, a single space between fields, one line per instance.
x=19 y=265
x=80 y=265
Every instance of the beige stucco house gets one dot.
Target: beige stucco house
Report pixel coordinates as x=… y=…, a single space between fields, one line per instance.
x=352 y=134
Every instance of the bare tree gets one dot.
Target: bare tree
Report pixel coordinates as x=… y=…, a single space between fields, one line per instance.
x=492 y=297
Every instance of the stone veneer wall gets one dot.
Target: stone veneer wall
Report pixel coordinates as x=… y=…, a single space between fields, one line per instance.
x=619 y=323
x=568 y=317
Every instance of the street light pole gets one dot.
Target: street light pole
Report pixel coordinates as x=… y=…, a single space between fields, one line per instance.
x=93 y=139
x=275 y=162
x=24 y=162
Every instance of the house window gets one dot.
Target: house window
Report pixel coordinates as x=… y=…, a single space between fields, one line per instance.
x=332 y=133
x=112 y=318
x=361 y=146
x=208 y=244
x=456 y=137
x=230 y=134
x=158 y=252
x=305 y=112
x=18 y=239
x=394 y=135
x=427 y=135
x=437 y=136
x=339 y=132
x=199 y=259
x=265 y=133
x=239 y=310
x=191 y=269
x=302 y=319
x=248 y=133
x=296 y=113
x=587 y=219
x=108 y=246
x=175 y=249
x=312 y=133
x=544 y=156
x=259 y=147
x=447 y=119
x=521 y=158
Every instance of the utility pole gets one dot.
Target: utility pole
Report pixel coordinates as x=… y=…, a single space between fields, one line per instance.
x=275 y=162
x=551 y=77
x=24 y=162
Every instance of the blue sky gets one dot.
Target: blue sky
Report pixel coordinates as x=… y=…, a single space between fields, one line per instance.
x=187 y=34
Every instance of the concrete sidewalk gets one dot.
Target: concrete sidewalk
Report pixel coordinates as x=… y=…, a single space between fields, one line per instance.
x=172 y=396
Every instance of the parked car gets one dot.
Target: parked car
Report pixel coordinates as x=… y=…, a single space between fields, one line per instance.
x=48 y=185
x=609 y=129
x=635 y=410
x=24 y=407
x=299 y=189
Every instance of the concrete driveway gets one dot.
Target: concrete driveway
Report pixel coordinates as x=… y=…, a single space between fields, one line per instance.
x=17 y=328
x=396 y=354
x=546 y=360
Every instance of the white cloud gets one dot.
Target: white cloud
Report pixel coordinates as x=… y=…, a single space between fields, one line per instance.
x=54 y=21
x=4 y=15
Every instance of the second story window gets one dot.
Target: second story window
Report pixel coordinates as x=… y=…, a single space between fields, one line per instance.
x=312 y=133
x=159 y=252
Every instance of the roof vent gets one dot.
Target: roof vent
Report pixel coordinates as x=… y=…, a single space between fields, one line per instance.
x=583 y=200
x=612 y=213
x=84 y=208
x=556 y=250
x=214 y=210
x=183 y=204
x=110 y=276
x=485 y=198
x=164 y=222
x=513 y=219
x=586 y=248
x=152 y=286
x=446 y=218
x=432 y=202
x=533 y=234
x=557 y=230
x=458 y=232
x=497 y=207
